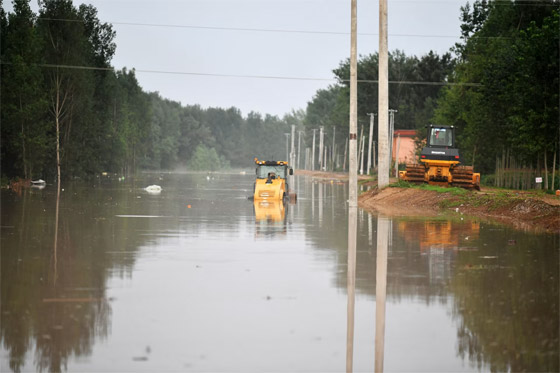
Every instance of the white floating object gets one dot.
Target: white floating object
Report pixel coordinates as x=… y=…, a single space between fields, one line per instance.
x=38 y=182
x=153 y=189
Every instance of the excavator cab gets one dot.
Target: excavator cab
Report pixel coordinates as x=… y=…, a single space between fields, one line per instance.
x=440 y=162
x=271 y=182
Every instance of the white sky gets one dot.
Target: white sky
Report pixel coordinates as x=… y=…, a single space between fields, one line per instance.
x=426 y=25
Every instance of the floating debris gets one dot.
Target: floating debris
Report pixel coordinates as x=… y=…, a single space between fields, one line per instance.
x=153 y=189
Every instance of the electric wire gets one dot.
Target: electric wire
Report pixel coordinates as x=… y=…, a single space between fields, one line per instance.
x=243 y=76
x=221 y=28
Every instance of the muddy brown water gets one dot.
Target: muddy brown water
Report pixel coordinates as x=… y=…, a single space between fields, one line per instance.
x=198 y=278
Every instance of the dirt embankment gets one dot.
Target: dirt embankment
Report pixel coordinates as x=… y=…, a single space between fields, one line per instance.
x=523 y=210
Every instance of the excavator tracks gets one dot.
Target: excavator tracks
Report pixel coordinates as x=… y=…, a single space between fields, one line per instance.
x=415 y=173
x=463 y=177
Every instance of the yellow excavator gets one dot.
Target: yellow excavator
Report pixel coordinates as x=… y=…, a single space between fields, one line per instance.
x=440 y=162
x=271 y=183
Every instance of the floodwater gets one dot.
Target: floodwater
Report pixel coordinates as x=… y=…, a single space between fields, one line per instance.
x=199 y=278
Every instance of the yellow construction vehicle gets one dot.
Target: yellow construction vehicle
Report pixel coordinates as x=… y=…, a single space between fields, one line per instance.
x=271 y=183
x=439 y=162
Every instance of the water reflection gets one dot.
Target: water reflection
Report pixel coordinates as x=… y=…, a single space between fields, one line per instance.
x=439 y=234
x=383 y=225
x=53 y=303
x=270 y=218
x=186 y=266
x=351 y=286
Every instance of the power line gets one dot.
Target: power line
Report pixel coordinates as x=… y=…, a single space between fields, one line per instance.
x=288 y=31
x=242 y=76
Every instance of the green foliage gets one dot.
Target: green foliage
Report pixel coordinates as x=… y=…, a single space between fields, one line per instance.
x=415 y=102
x=207 y=159
x=512 y=50
x=106 y=121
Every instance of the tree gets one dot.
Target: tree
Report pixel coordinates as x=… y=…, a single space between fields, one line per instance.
x=24 y=138
x=510 y=51
x=206 y=159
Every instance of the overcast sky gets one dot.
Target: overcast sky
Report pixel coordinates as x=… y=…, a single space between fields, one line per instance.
x=190 y=38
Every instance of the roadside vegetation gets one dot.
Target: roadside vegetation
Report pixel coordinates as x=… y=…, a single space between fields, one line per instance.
x=498 y=86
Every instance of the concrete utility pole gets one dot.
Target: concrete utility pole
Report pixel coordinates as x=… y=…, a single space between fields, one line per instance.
x=287 y=134
x=321 y=133
x=383 y=105
x=292 y=161
x=391 y=134
x=371 y=121
x=353 y=130
x=397 y=156
x=361 y=149
x=345 y=155
x=352 y=183
x=298 y=148
x=313 y=151
x=293 y=151
x=362 y=155
x=333 y=144
x=374 y=145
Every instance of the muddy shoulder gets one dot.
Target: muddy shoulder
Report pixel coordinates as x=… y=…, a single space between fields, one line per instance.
x=520 y=210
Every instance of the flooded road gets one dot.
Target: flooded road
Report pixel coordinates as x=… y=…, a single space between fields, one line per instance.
x=198 y=278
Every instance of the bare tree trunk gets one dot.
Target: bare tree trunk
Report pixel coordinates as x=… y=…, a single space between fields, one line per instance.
x=545 y=173
x=23 y=155
x=345 y=155
x=57 y=121
x=553 y=168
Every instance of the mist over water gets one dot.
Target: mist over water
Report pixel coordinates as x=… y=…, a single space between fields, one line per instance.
x=199 y=278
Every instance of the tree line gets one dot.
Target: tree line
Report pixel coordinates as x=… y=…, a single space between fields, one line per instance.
x=511 y=51
x=60 y=95
x=498 y=87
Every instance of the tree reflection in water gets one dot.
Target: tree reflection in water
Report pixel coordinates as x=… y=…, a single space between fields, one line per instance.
x=53 y=301
x=507 y=307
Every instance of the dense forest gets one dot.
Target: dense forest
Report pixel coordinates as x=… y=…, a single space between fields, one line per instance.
x=499 y=86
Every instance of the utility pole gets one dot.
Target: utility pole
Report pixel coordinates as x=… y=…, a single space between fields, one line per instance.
x=374 y=145
x=321 y=133
x=345 y=154
x=352 y=183
x=333 y=144
x=353 y=130
x=292 y=161
x=383 y=105
x=371 y=121
x=361 y=149
x=298 y=148
x=293 y=151
x=362 y=155
x=313 y=151
x=287 y=134
x=397 y=156
x=391 y=133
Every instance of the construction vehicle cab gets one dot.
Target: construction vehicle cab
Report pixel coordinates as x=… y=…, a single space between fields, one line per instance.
x=271 y=182
x=439 y=162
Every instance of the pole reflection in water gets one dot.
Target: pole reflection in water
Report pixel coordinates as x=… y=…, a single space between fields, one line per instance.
x=383 y=231
x=55 y=245
x=351 y=285
x=321 y=186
